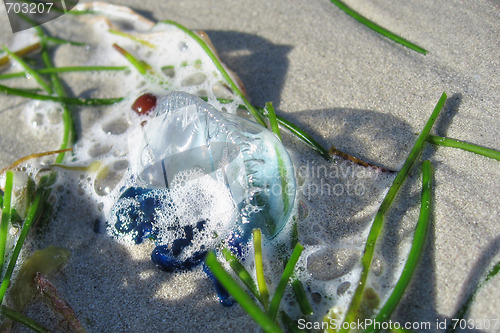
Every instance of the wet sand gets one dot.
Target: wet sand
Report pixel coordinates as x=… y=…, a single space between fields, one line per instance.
x=351 y=88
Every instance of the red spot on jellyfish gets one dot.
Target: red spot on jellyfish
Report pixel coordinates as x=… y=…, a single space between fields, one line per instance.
x=144 y=104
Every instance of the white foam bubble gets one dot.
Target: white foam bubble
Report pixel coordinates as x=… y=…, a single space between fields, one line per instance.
x=195 y=198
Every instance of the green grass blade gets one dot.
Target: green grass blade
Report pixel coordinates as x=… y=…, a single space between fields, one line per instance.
x=131 y=37
x=23 y=319
x=259 y=267
x=285 y=277
x=33 y=213
x=4 y=59
x=246 y=302
x=41 y=81
x=284 y=187
x=272 y=119
x=295 y=234
x=301 y=296
x=56 y=40
x=222 y=100
x=290 y=324
x=301 y=134
x=5 y=221
x=67 y=100
x=415 y=251
x=64 y=70
x=69 y=134
x=281 y=166
x=437 y=140
x=78 y=12
x=378 y=221
x=465 y=307
x=29 y=90
x=141 y=66
x=221 y=69
x=374 y=26
x=242 y=273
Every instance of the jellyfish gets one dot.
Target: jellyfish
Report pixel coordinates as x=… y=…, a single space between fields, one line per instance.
x=200 y=179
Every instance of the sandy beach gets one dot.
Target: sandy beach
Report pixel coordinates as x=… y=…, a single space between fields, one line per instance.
x=349 y=87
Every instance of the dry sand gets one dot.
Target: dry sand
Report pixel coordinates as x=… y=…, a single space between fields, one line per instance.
x=350 y=88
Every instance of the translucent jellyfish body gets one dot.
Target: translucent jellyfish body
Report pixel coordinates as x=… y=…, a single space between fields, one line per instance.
x=202 y=178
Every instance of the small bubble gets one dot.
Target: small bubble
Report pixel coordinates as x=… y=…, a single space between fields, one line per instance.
x=168 y=71
x=202 y=93
x=52 y=199
x=221 y=90
x=193 y=80
x=98 y=149
x=182 y=46
x=316 y=297
x=377 y=267
x=37 y=120
x=106 y=180
x=116 y=126
x=120 y=165
x=343 y=287
x=242 y=112
x=54 y=116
